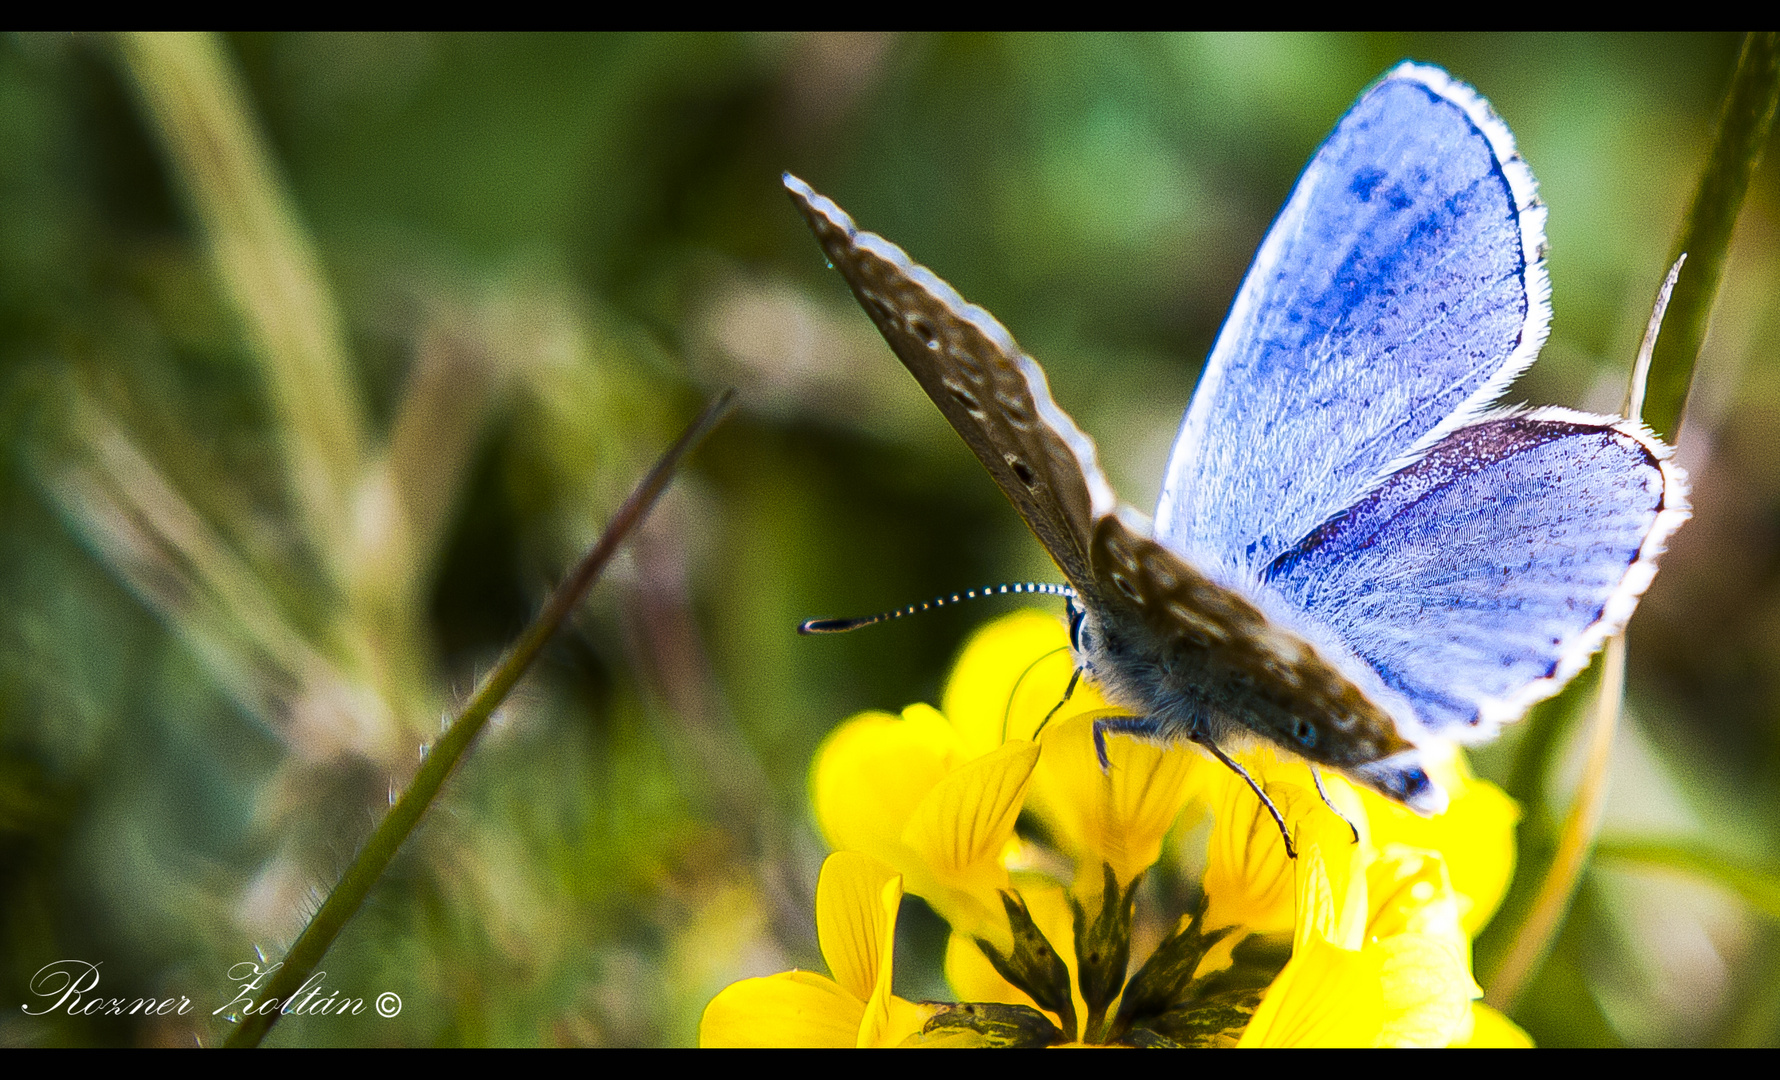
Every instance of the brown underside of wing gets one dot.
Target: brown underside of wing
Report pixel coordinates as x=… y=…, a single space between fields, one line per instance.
x=979 y=386
x=1265 y=675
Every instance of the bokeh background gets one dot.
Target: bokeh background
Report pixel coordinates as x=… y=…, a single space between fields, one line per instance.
x=250 y=556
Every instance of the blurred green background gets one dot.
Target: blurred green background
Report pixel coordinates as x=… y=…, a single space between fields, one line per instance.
x=250 y=555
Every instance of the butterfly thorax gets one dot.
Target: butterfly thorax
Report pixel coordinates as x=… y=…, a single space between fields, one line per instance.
x=1199 y=662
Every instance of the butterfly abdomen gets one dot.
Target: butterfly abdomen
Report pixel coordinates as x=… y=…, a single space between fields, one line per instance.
x=1198 y=660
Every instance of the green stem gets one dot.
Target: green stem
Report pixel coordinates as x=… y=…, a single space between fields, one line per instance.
x=1743 y=127
x=375 y=856
x=1552 y=902
x=1513 y=947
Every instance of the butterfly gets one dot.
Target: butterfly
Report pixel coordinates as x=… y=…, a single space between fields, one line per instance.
x=1354 y=556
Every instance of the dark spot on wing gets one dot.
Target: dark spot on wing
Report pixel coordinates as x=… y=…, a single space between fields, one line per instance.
x=1365 y=182
x=929 y=337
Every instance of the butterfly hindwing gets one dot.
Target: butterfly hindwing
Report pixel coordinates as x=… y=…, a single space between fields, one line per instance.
x=994 y=395
x=1480 y=579
x=1398 y=292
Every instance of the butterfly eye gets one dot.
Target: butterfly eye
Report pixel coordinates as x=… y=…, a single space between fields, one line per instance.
x=1305 y=732
x=1078 y=626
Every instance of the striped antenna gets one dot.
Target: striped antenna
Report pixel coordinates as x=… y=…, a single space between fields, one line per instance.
x=841 y=626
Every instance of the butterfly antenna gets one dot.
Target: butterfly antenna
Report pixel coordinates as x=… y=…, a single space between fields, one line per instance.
x=841 y=626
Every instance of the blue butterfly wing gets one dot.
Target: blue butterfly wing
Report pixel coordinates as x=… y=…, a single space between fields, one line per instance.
x=1398 y=293
x=1480 y=579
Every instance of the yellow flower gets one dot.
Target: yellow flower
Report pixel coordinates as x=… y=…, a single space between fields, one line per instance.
x=1380 y=956
x=909 y=792
x=1380 y=913
x=1010 y=677
x=1489 y=1029
x=1475 y=835
x=857 y=898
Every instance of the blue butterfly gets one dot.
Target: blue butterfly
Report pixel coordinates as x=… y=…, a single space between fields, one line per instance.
x=1354 y=556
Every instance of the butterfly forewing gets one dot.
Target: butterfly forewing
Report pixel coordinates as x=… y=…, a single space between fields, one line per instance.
x=994 y=395
x=1399 y=291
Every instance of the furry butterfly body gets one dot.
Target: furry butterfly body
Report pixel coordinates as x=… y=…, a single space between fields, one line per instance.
x=1352 y=556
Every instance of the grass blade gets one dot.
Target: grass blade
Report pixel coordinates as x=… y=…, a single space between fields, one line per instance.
x=265 y=263
x=346 y=898
x=1743 y=127
x=1760 y=889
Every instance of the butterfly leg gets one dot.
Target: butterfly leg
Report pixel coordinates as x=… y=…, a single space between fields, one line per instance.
x=1278 y=818
x=1074 y=678
x=1318 y=777
x=1119 y=725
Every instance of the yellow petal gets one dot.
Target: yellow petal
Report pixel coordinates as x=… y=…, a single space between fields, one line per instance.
x=1010 y=673
x=959 y=831
x=797 y=1008
x=1475 y=835
x=1326 y=996
x=1117 y=816
x=877 y=1028
x=1410 y=893
x=973 y=978
x=1407 y=991
x=1326 y=842
x=869 y=775
x=1413 y=988
x=1425 y=988
x=1330 y=994
x=856 y=901
x=1249 y=879
x=1489 y=1029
